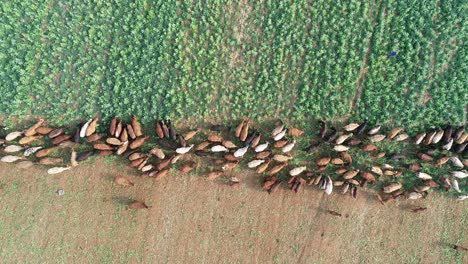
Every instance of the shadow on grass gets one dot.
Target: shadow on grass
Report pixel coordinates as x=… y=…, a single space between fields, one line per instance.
x=121 y=200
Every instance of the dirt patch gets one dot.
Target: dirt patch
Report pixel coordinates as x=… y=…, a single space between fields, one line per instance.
x=193 y=220
x=243 y=12
x=365 y=61
x=424 y=98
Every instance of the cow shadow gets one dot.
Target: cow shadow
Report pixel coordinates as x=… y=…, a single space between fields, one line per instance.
x=122 y=200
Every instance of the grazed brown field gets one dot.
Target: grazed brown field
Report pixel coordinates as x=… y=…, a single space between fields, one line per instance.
x=193 y=220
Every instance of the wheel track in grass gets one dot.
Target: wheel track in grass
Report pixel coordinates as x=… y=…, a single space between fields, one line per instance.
x=365 y=61
x=320 y=203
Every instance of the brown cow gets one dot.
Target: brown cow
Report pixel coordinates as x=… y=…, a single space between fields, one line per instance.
x=333 y=213
x=138 y=205
x=459 y=248
x=418 y=209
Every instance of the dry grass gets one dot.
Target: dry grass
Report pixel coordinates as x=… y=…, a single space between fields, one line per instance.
x=193 y=220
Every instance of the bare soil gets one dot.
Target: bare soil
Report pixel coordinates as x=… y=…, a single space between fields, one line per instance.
x=193 y=220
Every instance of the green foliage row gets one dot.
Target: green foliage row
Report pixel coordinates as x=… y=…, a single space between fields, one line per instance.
x=223 y=59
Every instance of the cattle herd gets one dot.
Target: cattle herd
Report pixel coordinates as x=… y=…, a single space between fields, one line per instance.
x=223 y=148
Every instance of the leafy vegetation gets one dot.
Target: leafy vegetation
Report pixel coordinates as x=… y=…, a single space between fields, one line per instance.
x=223 y=59
x=425 y=82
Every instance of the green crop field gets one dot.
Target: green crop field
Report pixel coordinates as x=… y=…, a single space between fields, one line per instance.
x=393 y=63
x=300 y=60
